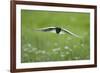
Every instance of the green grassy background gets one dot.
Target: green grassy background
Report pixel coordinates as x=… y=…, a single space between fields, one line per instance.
x=45 y=46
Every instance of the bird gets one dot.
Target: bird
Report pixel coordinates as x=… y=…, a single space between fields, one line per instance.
x=57 y=30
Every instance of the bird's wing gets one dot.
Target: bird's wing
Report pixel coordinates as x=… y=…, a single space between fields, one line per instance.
x=67 y=31
x=46 y=29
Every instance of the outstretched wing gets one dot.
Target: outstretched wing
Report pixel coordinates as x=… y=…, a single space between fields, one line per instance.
x=67 y=31
x=47 y=29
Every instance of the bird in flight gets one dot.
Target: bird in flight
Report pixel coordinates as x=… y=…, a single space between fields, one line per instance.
x=57 y=30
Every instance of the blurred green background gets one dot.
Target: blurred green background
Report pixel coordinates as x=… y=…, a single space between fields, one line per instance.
x=46 y=46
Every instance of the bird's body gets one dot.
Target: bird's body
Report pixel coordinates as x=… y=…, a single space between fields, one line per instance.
x=57 y=30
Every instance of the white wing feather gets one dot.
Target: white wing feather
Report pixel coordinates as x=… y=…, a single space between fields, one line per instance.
x=67 y=31
x=47 y=29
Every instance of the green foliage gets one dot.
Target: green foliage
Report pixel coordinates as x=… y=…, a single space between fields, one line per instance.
x=39 y=46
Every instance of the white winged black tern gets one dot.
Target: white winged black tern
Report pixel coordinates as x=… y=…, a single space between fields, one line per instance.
x=57 y=30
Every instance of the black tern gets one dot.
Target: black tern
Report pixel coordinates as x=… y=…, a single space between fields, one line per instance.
x=57 y=30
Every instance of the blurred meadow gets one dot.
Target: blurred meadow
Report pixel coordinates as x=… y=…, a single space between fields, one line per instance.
x=39 y=46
